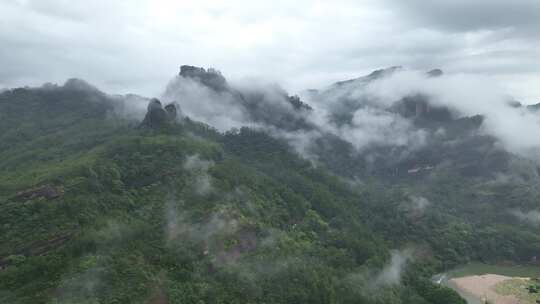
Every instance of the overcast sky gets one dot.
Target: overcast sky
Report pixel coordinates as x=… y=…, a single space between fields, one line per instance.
x=137 y=46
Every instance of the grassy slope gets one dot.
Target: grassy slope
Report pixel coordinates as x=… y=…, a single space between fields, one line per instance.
x=518 y=288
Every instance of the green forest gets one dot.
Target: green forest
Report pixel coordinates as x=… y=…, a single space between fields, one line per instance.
x=98 y=208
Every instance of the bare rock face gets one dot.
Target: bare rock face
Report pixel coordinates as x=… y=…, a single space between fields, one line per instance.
x=75 y=84
x=154 y=104
x=211 y=78
x=48 y=192
x=171 y=111
x=157 y=116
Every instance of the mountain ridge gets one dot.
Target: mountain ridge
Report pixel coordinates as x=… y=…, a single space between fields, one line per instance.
x=185 y=212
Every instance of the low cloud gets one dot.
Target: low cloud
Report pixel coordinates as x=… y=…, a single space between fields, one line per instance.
x=517 y=129
x=202 y=183
x=368 y=280
x=252 y=103
x=358 y=112
x=180 y=226
x=220 y=236
x=83 y=286
x=531 y=217
x=218 y=109
x=130 y=107
x=392 y=273
x=195 y=163
x=87 y=276
x=419 y=203
x=371 y=126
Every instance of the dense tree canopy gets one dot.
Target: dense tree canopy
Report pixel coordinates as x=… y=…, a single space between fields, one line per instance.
x=185 y=214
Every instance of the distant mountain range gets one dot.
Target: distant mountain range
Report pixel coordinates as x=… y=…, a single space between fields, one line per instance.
x=448 y=138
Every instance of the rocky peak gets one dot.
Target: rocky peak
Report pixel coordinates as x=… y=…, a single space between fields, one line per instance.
x=154 y=104
x=384 y=72
x=377 y=74
x=435 y=73
x=75 y=84
x=171 y=111
x=157 y=116
x=211 y=77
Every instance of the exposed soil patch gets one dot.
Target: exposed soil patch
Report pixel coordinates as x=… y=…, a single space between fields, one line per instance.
x=483 y=288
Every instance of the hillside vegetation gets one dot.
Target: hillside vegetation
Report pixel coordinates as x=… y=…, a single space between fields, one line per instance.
x=97 y=208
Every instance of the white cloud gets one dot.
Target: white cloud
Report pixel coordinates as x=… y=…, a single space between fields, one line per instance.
x=135 y=46
x=532 y=217
x=392 y=272
x=371 y=126
x=202 y=183
x=517 y=129
x=419 y=203
x=218 y=109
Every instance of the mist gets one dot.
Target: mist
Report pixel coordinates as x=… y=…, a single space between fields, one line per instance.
x=179 y=225
x=359 y=111
x=269 y=152
x=517 y=129
x=218 y=109
x=202 y=183
x=392 y=272
x=531 y=217
x=420 y=203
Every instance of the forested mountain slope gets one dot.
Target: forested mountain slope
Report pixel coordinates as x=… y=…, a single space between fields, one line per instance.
x=98 y=205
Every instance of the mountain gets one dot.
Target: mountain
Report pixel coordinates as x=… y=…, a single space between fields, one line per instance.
x=416 y=136
x=125 y=199
x=269 y=105
x=534 y=107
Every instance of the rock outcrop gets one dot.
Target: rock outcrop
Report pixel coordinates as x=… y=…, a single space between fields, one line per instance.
x=48 y=192
x=157 y=116
x=211 y=78
x=171 y=112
